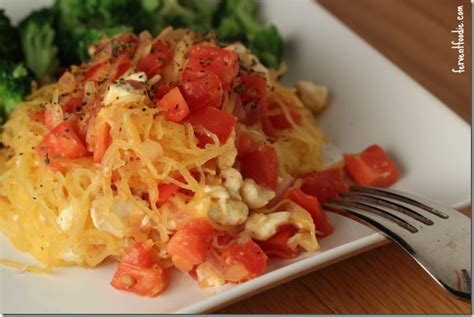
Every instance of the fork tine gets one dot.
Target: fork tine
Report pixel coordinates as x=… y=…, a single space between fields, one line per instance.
x=383 y=202
x=403 y=197
x=378 y=222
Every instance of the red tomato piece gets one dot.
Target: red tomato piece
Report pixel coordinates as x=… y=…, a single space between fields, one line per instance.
x=325 y=184
x=223 y=63
x=72 y=105
x=63 y=142
x=253 y=94
x=203 y=91
x=190 y=244
x=243 y=261
x=37 y=115
x=166 y=191
x=138 y=273
x=160 y=54
x=261 y=165
x=102 y=141
x=214 y=120
x=138 y=255
x=142 y=281
x=174 y=105
x=311 y=204
x=96 y=72
x=162 y=90
x=122 y=64
x=278 y=243
x=371 y=167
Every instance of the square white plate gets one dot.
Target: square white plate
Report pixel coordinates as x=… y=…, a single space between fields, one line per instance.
x=372 y=102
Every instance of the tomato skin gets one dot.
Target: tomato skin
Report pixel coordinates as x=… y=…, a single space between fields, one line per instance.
x=166 y=191
x=151 y=64
x=162 y=90
x=213 y=59
x=214 y=120
x=202 y=91
x=174 y=105
x=371 y=167
x=278 y=244
x=311 y=204
x=253 y=95
x=138 y=273
x=63 y=142
x=190 y=244
x=143 y=281
x=247 y=254
x=72 y=105
x=261 y=165
x=324 y=185
x=123 y=63
x=102 y=142
x=96 y=72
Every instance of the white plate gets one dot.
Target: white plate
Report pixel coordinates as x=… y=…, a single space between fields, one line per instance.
x=372 y=102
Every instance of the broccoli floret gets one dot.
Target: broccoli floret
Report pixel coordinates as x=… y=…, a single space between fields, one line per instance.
x=238 y=20
x=37 y=36
x=83 y=22
x=193 y=14
x=15 y=84
x=9 y=39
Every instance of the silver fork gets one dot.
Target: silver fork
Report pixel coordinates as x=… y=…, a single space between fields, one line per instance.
x=437 y=237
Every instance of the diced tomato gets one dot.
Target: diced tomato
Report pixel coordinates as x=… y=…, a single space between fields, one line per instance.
x=223 y=63
x=202 y=91
x=311 y=204
x=162 y=90
x=122 y=64
x=279 y=121
x=244 y=261
x=372 y=167
x=190 y=244
x=37 y=115
x=324 y=185
x=166 y=191
x=261 y=165
x=142 y=281
x=138 y=255
x=138 y=273
x=72 y=105
x=278 y=243
x=63 y=142
x=174 y=105
x=214 y=120
x=102 y=141
x=96 y=72
x=253 y=94
x=160 y=54
x=244 y=143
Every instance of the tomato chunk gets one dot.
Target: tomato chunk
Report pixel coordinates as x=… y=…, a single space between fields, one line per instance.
x=214 y=120
x=253 y=94
x=138 y=273
x=190 y=244
x=311 y=204
x=243 y=261
x=324 y=185
x=102 y=141
x=202 y=91
x=174 y=105
x=261 y=165
x=63 y=142
x=160 y=54
x=278 y=244
x=166 y=191
x=223 y=63
x=279 y=120
x=372 y=167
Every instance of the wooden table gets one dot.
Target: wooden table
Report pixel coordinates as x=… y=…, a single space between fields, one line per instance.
x=415 y=35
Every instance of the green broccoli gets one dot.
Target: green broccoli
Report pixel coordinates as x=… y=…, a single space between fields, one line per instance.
x=81 y=23
x=237 y=20
x=15 y=84
x=9 y=39
x=37 y=36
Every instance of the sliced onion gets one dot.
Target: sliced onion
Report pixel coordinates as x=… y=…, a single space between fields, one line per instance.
x=281 y=190
x=239 y=110
x=67 y=83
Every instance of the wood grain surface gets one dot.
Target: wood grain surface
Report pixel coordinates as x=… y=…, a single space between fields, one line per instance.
x=416 y=36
